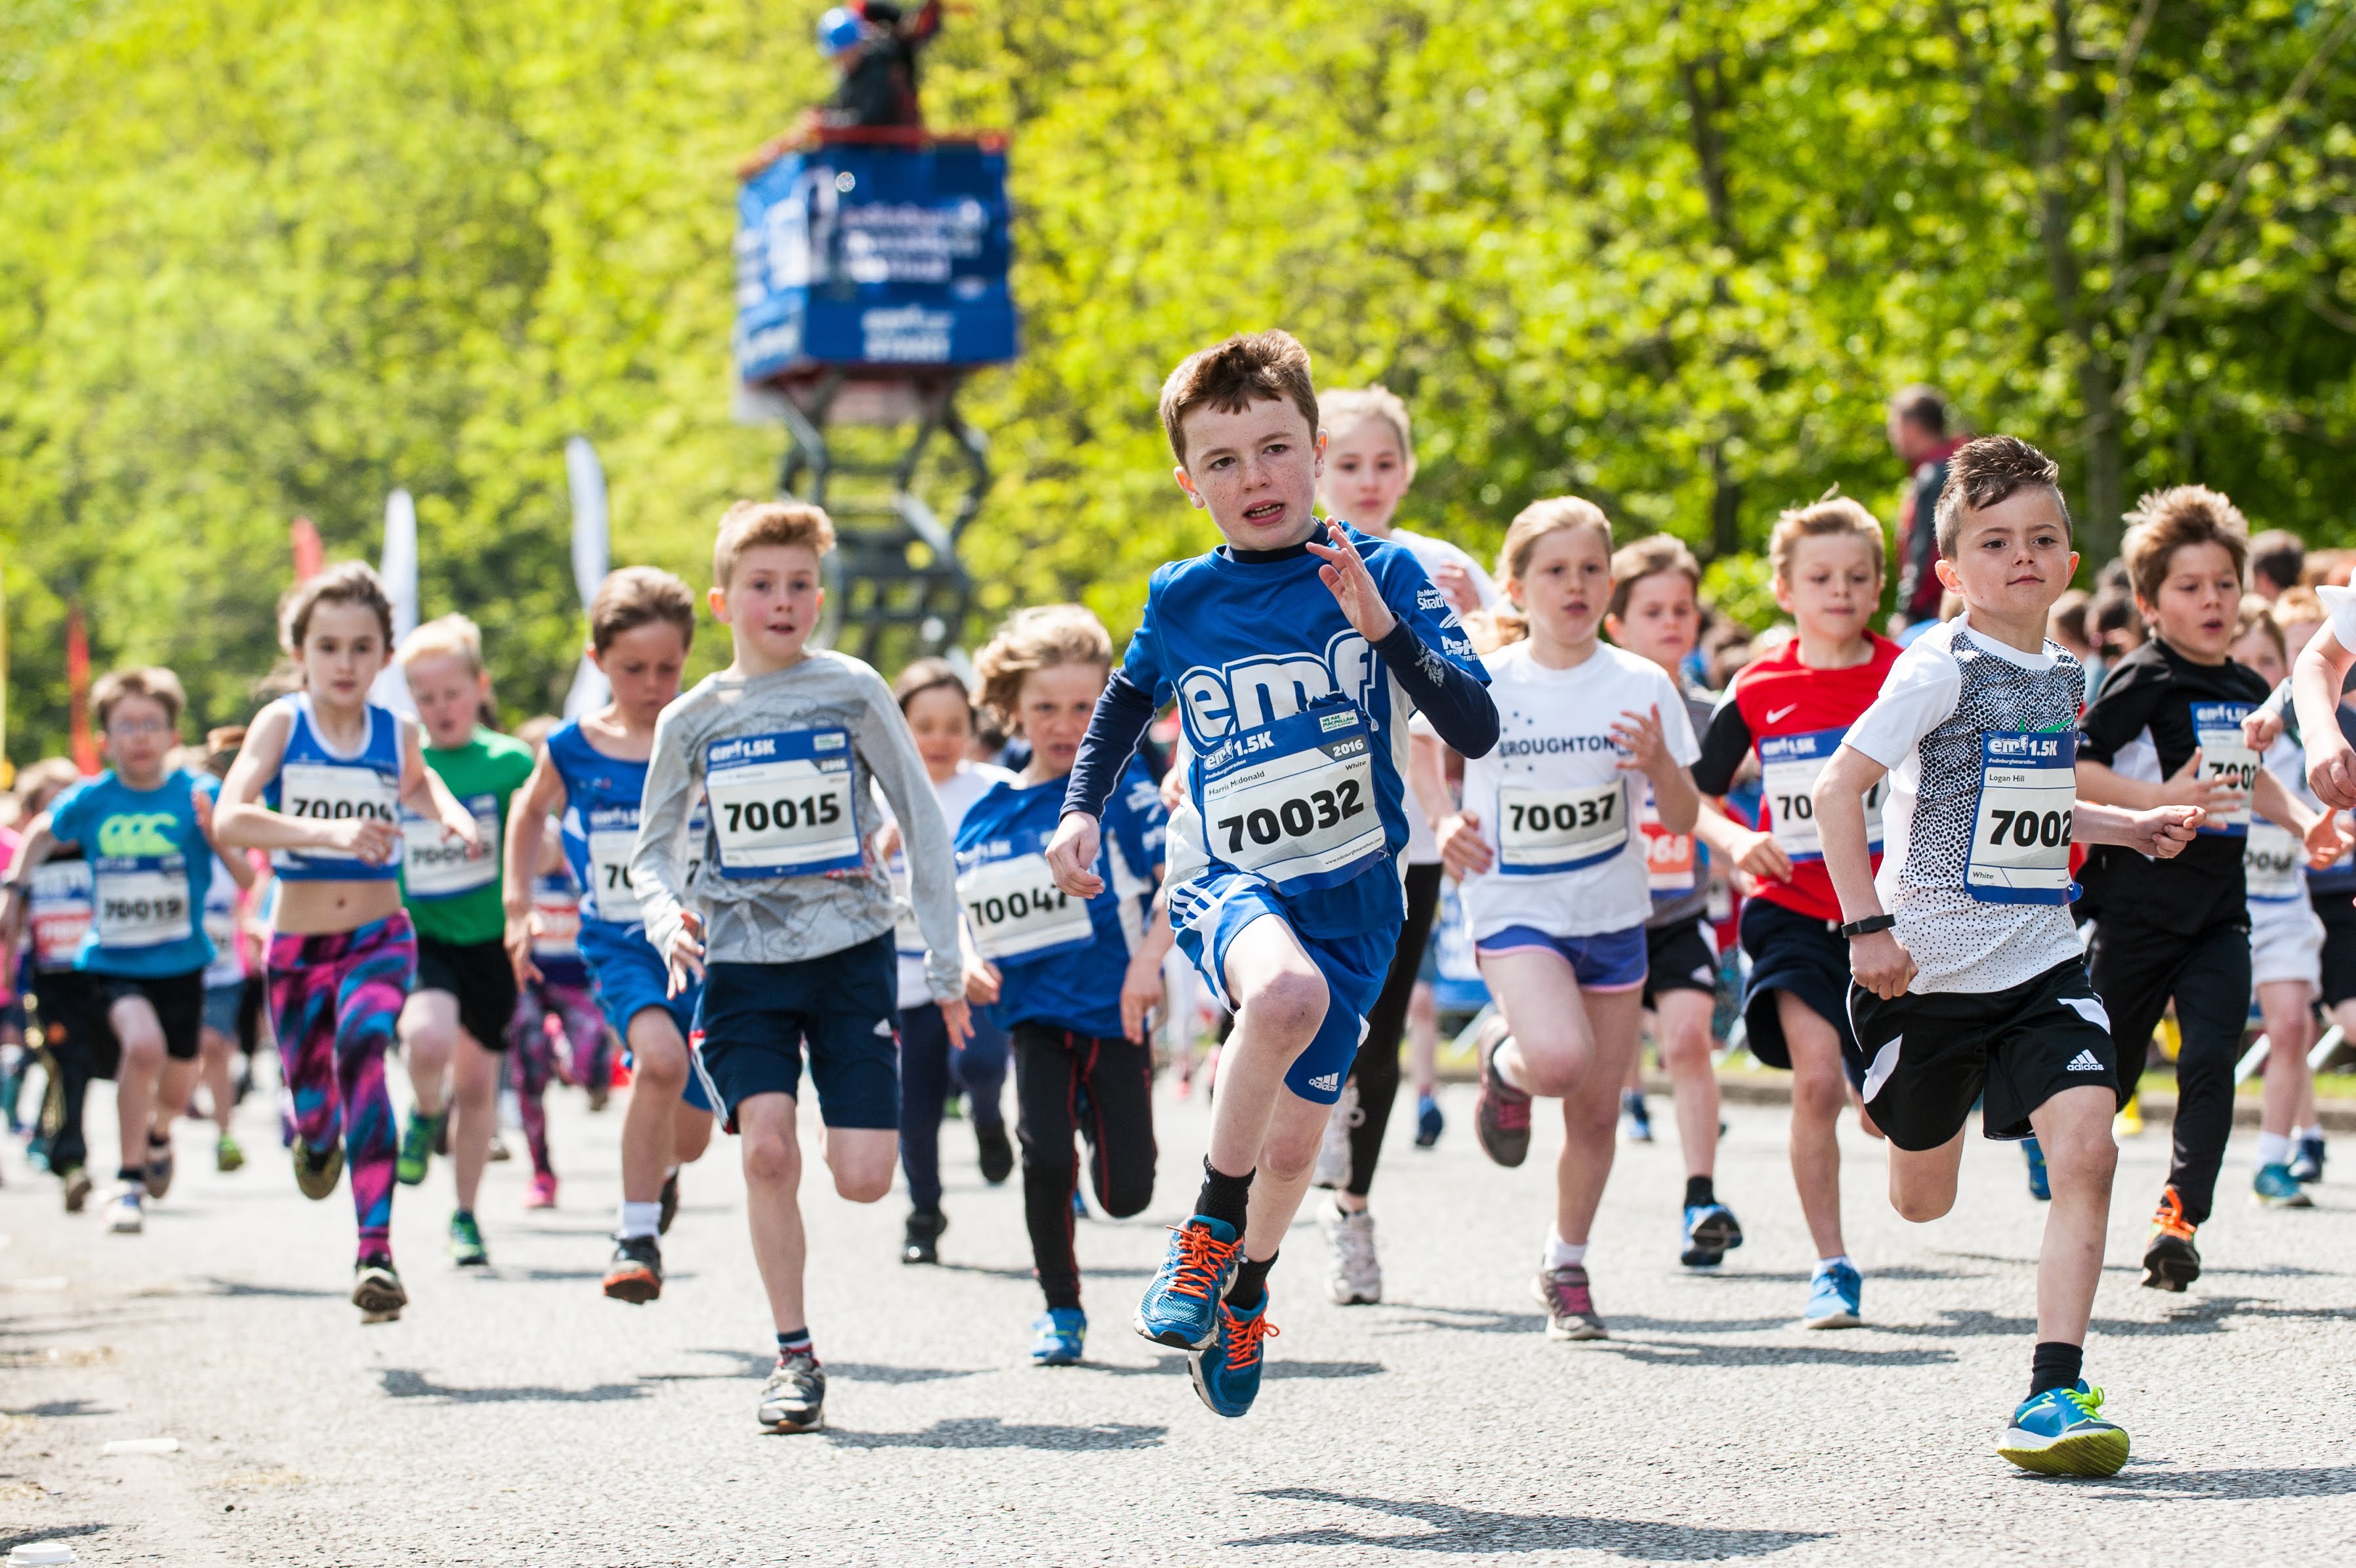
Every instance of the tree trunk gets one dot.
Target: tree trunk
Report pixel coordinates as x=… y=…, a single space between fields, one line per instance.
x=2100 y=502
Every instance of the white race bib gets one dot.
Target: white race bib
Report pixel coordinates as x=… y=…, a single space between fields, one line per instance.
x=63 y=910
x=610 y=872
x=439 y=867
x=327 y=791
x=1542 y=831
x=144 y=902
x=1294 y=801
x=2271 y=861
x=2225 y=759
x=907 y=940
x=781 y=803
x=560 y=925
x=2020 y=832
x=1788 y=767
x=1017 y=911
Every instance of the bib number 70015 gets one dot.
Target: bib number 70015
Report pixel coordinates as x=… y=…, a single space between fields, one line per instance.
x=781 y=803
x=2020 y=829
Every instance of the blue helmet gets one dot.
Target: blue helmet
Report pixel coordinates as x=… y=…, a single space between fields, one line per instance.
x=838 y=29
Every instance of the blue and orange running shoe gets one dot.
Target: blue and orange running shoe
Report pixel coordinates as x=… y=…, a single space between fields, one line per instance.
x=1227 y=1375
x=1181 y=1307
x=2060 y=1432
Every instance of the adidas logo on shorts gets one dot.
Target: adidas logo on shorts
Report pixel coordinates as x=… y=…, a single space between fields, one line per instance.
x=2084 y=1062
x=1326 y=1080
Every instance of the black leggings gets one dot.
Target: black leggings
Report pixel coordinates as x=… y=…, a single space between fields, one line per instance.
x=1054 y=1070
x=1376 y=1069
x=2136 y=969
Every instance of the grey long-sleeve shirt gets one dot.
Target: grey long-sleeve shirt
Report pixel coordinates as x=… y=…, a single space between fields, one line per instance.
x=787 y=873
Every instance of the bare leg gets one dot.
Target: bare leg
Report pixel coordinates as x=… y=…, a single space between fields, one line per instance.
x=216 y=1050
x=1685 y=1043
x=2283 y=1004
x=1819 y=1089
x=1283 y=1000
x=1922 y=1181
x=2073 y=1128
x=1591 y=1113
x=1288 y=1158
x=1423 y=1038
x=429 y=1037
x=862 y=1160
x=659 y=1077
x=772 y=1174
x=690 y=1133
x=138 y=1078
x=474 y=1115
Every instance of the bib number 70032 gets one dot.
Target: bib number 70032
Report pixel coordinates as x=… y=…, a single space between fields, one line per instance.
x=1294 y=801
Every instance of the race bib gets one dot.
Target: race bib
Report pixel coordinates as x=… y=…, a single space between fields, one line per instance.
x=143 y=901
x=438 y=866
x=1294 y=801
x=1542 y=831
x=908 y=941
x=63 y=910
x=609 y=872
x=2020 y=832
x=1017 y=911
x=322 y=792
x=1669 y=859
x=1788 y=765
x=2271 y=861
x=2225 y=759
x=560 y=925
x=781 y=803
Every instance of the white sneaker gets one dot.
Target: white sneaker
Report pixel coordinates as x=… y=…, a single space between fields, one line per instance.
x=1333 y=1154
x=125 y=1214
x=1355 y=1276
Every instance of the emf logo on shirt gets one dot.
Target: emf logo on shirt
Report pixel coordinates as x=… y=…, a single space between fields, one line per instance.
x=1253 y=693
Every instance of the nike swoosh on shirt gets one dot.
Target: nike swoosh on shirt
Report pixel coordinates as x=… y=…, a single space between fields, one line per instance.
x=1776 y=716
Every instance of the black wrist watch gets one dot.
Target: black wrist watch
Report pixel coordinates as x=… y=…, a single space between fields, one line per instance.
x=1870 y=925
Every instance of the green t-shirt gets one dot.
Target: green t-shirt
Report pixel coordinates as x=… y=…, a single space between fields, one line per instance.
x=453 y=894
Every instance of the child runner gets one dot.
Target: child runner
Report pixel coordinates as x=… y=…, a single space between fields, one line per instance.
x=940 y=713
x=145 y=825
x=58 y=910
x=2167 y=730
x=320 y=782
x=224 y=918
x=1970 y=984
x=793 y=916
x=1070 y=980
x=455 y=1021
x=1791 y=708
x=1369 y=463
x=2300 y=615
x=1655 y=614
x=1554 y=863
x=1297 y=652
x=557 y=1031
x=592 y=777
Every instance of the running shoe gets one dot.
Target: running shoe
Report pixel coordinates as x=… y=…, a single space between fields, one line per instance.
x=316 y=1171
x=1836 y=1297
x=794 y=1399
x=2128 y=1123
x=159 y=1167
x=1355 y=1276
x=417 y=1143
x=921 y=1242
x=541 y=1194
x=498 y=1154
x=598 y=1095
x=1334 y=1149
x=996 y=1151
x=1227 y=1371
x=669 y=1202
x=1636 y=1117
x=226 y=1155
x=636 y=1273
x=2307 y=1160
x=1501 y=1113
x=1711 y=1232
x=2276 y=1187
x=376 y=1289
x=1057 y=1336
x=1428 y=1122
x=2171 y=1261
x=1181 y=1305
x=2059 y=1433
x=1079 y=1204
x=77 y=1184
x=2040 y=1187
x=1570 y=1305
x=467 y=1248
x=125 y=1214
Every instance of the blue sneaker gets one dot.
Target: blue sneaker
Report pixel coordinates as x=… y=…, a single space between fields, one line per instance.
x=1428 y=1122
x=2058 y=1432
x=1834 y=1294
x=2039 y=1187
x=1227 y=1375
x=1181 y=1307
x=1057 y=1336
x=1711 y=1232
x=2307 y=1161
x=2276 y=1187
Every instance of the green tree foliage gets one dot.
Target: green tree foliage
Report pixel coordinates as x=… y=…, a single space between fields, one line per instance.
x=262 y=259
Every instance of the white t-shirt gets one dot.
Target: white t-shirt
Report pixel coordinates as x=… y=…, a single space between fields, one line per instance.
x=1558 y=813
x=969 y=784
x=1958 y=943
x=1422 y=848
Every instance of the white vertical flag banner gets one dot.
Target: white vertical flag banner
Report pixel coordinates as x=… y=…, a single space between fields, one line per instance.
x=591 y=553
x=398 y=569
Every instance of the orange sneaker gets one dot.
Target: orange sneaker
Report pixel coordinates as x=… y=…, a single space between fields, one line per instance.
x=2170 y=1261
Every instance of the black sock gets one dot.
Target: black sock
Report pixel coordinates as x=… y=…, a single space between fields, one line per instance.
x=2055 y=1366
x=1225 y=1196
x=792 y=1340
x=1250 y=1288
x=1699 y=1190
x=139 y=1173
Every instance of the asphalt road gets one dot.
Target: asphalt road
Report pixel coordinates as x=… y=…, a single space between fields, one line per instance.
x=515 y=1416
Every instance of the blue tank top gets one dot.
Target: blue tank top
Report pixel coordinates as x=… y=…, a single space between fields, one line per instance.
x=314 y=780
x=600 y=827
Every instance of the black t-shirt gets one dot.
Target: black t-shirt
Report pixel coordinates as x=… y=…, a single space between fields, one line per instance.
x=2142 y=719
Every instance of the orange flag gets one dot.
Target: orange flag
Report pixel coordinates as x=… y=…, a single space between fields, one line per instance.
x=309 y=554
x=85 y=745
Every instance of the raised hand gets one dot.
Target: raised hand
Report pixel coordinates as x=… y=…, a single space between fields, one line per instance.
x=2186 y=787
x=1462 y=848
x=1641 y=734
x=1346 y=577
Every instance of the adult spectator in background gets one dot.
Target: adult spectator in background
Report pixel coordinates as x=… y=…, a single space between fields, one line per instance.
x=1918 y=434
x=2276 y=558
x=873 y=49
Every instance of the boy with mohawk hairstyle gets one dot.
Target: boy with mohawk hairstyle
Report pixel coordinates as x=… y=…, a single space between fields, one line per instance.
x=1297 y=652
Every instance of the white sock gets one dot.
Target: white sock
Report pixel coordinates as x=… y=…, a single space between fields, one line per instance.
x=641 y=1219
x=2305 y=1133
x=1504 y=1064
x=1562 y=1254
x=2274 y=1148
x=1824 y=1263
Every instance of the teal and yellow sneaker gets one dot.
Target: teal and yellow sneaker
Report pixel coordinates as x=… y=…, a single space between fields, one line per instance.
x=2276 y=1187
x=1226 y=1374
x=467 y=1248
x=2058 y=1432
x=1181 y=1307
x=1058 y=1336
x=316 y=1171
x=417 y=1147
x=2040 y=1186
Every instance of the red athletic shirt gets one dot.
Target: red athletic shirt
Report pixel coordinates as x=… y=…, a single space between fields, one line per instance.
x=1792 y=718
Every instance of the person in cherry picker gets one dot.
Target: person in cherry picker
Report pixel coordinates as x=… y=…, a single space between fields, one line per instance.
x=873 y=49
